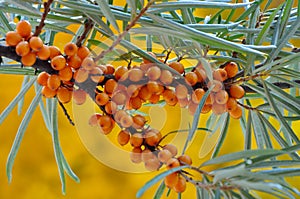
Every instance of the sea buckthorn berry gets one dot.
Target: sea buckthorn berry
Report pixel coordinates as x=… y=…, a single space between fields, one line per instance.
x=144 y=93
x=192 y=107
x=123 y=137
x=81 y=75
x=74 y=61
x=183 y=102
x=153 y=73
x=120 y=71
x=138 y=121
x=147 y=154
x=185 y=159
x=29 y=59
x=220 y=74
x=126 y=121
x=96 y=75
x=135 y=102
x=181 y=91
x=177 y=66
x=43 y=78
x=35 y=43
x=110 y=86
x=58 y=62
x=83 y=52
x=171 y=180
x=119 y=98
x=103 y=68
x=231 y=69
x=206 y=108
x=47 y=92
x=191 y=78
x=166 y=77
x=136 y=140
x=210 y=99
x=109 y=69
x=53 y=82
x=70 y=49
x=236 y=91
x=180 y=185
x=146 y=61
x=172 y=163
x=236 y=113
x=94 y=119
x=136 y=155
x=22 y=48
x=88 y=63
x=221 y=97
x=23 y=27
x=106 y=124
x=201 y=74
x=161 y=89
x=153 y=87
x=164 y=155
x=12 y=38
x=218 y=85
x=65 y=74
x=152 y=137
x=135 y=74
x=172 y=148
x=54 y=51
x=152 y=164
x=110 y=107
x=154 y=99
x=44 y=53
x=170 y=97
x=63 y=95
x=231 y=104
x=218 y=109
x=197 y=95
x=119 y=114
x=132 y=90
x=79 y=96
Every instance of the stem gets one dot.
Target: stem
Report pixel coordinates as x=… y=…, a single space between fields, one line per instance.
x=38 y=29
x=88 y=25
x=66 y=113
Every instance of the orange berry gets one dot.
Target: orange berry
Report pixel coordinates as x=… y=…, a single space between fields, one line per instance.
x=74 y=61
x=70 y=49
x=164 y=155
x=22 y=48
x=183 y=102
x=119 y=98
x=53 y=82
x=35 y=43
x=201 y=74
x=191 y=78
x=152 y=137
x=210 y=99
x=170 y=97
x=106 y=124
x=135 y=74
x=126 y=121
x=132 y=90
x=120 y=71
x=197 y=95
x=47 y=92
x=58 y=62
x=172 y=148
x=206 y=108
x=166 y=77
x=192 y=107
x=218 y=109
x=180 y=185
x=88 y=63
x=23 y=27
x=109 y=69
x=63 y=95
x=110 y=86
x=220 y=74
x=147 y=154
x=81 y=75
x=110 y=107
x=54 y=51
x=136 y=140
x=236 y=113
x=231 y=104
x=181 y=91
x=171 y=180
x=172 y=163
x=153 y=73
x=65 y=74
x=96 y=75
x=221 y=97
x=218 y=85
x=152 y=164
x=177 y=66
x=185 y=159
x=135 y=102
x=123 y=137
x=231 y=69
x=79 y=96
x=43 y=78
x=236 y=91
x=83 y=52
x=119 y=114
x=136 y=155
x=154 y=99
x=94 y=119
x=29 y=59
x=144 y=93
x=12 y=38
x=153 y=87
x=44 y=53
x=138 y=121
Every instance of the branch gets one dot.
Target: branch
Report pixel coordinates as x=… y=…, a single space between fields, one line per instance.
x=38 y=29
x=88 y=25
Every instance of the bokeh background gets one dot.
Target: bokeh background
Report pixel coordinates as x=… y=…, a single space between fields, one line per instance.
x=35 y=173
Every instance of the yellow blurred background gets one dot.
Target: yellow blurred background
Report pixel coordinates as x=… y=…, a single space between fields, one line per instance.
x=35 y=173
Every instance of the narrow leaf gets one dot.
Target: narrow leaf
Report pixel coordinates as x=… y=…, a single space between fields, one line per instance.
x=104 y=7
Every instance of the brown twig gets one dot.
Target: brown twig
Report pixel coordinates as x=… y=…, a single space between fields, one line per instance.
x=88 y=25
x=38 y=29
x=66 y=113
x=120 y=36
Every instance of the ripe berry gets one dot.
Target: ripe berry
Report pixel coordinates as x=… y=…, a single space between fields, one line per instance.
x=147 y=154
x=43 y=78
x=206 y=108
x=29 y=59
x=153 y=87
x=181 y=91
x=126 y=121
x=81 y=75
x=96 y=75
x=231 y=69
x=192 y=107
x=12 y=38
x=135 y=74
x=154 y=99
x=136 y=140
x=236 y=91
x=109 y=69
x=119 y=98
x=58 y=62
x=152 y=137
x=135 y=102
x=220 y=74
x=144 y=93
x=110 y=86
x=119 y=114
x=191 y=78
x=177 y=66
x=74 y=61
x=152 y=164
x=47 y=92
x=23 y=28
x=70 y=49
x=83 y=52
x=218 y=85
x=35 y=43
x=53 y=82
x=171 y=180
x=88 y=63
x=54 y=51
x=132 y=90
x=65 y=74
x=197 y=95
x=218 y=108
x=22 y=48
x=221 y=97
x=185 y=159
x=180 y=185
x=106 y=124
x=123 y=137
x=136 y=155
x=170 y=97
x=172 y=163
x=236 y=113
x=120 y=71
x=44 y=53
x=138 y=121
x=64 y=95
x=79 y=96
x=110 y=107
x=93 y=121
x=164 y=155
x=172 y=148
x=201 y=74
x=153 y=73
x=166 y=77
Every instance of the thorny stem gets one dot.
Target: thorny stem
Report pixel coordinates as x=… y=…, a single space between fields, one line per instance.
x=88 y=25
x=120 y=36
x=66 y=113
x=38 y=29
x=247 y=78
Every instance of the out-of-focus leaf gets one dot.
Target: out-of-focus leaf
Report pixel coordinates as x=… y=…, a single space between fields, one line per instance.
x=5 y=22
x=21 y=102
x=25 y=5
x=159 y=192
x=104 y=7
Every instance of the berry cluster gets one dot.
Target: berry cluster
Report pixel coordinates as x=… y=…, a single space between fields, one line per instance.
x=118 y=90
